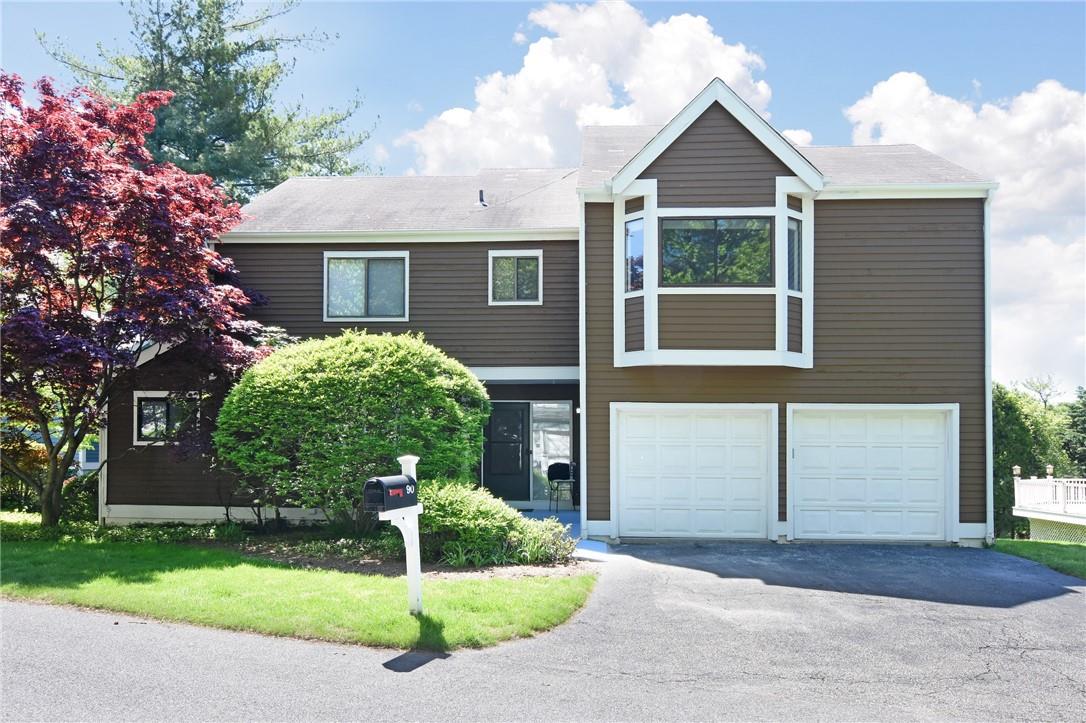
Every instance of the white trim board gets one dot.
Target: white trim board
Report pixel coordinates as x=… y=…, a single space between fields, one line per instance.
x=524 y=374
x=953 y=466
x=129 y=514
x=906 y=190
x=718 y=92
x=519 y=235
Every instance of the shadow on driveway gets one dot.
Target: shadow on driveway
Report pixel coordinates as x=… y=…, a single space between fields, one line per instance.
x=951 y=575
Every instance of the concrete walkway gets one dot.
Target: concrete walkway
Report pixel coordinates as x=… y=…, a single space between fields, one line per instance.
x=678 y=632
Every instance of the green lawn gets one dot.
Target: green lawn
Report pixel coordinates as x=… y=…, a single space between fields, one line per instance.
x=221 y=588
x=1065 y=557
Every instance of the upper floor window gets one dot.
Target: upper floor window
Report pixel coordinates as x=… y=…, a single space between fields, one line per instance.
x=729 y=251
x=365 y=286
x=516 y=277
x=795 y=255
x=635 y=254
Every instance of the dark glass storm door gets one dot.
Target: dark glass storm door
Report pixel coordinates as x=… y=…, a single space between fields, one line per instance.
x=507 y=456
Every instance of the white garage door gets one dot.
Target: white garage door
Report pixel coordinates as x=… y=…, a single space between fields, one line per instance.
x=879 y=474
x=690 y=471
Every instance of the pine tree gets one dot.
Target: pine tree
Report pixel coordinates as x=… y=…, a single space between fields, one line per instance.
x=224 y=64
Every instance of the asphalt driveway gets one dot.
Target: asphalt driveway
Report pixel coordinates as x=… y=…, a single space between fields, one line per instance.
x=679 y=632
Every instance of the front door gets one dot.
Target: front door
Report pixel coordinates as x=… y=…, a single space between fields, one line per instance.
x=507 y=456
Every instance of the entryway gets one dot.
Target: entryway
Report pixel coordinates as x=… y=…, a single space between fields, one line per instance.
x=523 y=438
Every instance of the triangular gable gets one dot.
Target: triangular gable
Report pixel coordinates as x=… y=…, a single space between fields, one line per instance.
x=718 y=92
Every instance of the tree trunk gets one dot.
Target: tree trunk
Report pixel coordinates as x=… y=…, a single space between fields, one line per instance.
x=50 y=503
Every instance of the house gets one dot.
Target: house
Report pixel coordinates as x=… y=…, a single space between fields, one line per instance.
x=732 y=337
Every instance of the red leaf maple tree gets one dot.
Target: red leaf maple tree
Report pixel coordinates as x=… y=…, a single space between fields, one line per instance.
x=105 y=255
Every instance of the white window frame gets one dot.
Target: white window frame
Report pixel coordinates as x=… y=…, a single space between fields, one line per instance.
x=405 y=255
x=147 y=394
x=634 y=216
x=516 y=253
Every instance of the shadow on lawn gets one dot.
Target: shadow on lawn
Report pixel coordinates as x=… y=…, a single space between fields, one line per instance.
x=71 y=564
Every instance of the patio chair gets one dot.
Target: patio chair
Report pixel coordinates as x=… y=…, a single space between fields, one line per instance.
x=559 y=475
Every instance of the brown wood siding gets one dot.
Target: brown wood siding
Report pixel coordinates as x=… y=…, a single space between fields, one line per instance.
x=633 y=205
x=795 y=203
x=899 y=319
x=448 y=298
x=635 y=323
x=795 y=324
x=718 y=321
x=155 y=475
x=716 y=162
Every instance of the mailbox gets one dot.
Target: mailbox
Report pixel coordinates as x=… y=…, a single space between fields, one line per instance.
x=382 y=494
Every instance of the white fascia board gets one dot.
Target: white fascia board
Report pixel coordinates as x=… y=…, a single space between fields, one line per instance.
x=527 y=374
x=152 y=351
x=718 y=92
x=833 y=192
x=414 y=236
x=1048 y=516
x=595 y=195
x=719 y=358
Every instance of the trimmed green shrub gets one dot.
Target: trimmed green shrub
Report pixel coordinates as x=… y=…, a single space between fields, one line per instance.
x=464 y=525
x=310 y=423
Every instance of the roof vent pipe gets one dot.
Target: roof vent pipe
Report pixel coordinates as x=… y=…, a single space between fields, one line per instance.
x=482 y=201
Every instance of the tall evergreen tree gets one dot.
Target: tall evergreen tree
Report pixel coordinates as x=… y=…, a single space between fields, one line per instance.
x=223 y=62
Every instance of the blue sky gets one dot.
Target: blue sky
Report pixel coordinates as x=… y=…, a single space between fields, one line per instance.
x=411 y=60
x=996 y=87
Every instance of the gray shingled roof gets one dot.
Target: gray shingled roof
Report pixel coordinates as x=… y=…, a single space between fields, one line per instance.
x=517 y=198
x=536 y=198
x=606 y=149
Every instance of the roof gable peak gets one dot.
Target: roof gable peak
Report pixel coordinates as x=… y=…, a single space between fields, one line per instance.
x=717 y=91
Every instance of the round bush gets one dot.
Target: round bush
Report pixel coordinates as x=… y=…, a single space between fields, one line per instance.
x=308 y=425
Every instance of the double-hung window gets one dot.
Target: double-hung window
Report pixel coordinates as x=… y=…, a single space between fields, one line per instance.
x=516 y=277
x=365 y=285
x=730 y=251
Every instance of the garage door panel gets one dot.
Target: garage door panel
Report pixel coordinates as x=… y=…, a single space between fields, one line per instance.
x=694 y=473
x=813 y=459
x=877 y=474
x=676 y=426
x=748 y=427
x=849 y=490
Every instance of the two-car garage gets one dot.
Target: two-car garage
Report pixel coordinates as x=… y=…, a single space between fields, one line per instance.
x=854 y=472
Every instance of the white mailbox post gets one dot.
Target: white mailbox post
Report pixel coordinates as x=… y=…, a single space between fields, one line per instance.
x=407 y=520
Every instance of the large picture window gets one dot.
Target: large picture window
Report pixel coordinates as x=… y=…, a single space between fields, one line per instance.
x=365 y=287
x=716 y=252
x=635 y=254
x=516 y=277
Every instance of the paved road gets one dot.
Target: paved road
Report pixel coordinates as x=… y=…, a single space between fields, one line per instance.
x=673 y=632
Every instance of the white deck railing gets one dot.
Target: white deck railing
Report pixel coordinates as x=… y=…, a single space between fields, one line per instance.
x=1050 y=494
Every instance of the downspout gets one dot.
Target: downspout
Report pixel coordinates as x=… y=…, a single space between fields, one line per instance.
x=989 y=482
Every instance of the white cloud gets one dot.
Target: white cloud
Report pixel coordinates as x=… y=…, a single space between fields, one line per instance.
x=601 y=63
x=414 y=106
x=1034 y=145
x=799 y=136
x=380 y=153
x=519 y=38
